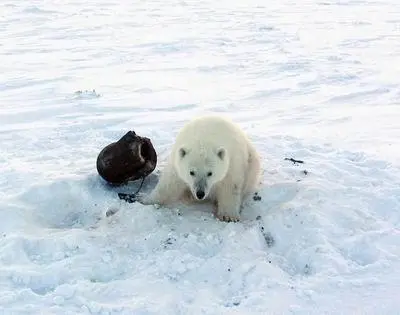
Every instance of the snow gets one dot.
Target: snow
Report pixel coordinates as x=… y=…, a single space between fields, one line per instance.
x=311 y=80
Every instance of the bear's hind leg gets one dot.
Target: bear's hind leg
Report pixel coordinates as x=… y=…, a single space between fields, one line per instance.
x=253 y=171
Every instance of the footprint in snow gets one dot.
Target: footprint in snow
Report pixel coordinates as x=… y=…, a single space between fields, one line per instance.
x=86 y=94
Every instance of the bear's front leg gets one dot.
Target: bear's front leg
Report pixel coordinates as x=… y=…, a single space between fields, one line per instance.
x=229 y=201
x=167 y=191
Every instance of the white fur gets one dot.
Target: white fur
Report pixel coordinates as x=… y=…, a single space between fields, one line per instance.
x=209 y=144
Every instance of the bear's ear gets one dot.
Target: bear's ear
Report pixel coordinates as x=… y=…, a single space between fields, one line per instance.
x=221 y=153
x=182 y=152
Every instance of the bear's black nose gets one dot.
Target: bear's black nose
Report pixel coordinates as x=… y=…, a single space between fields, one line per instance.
x=200 y=194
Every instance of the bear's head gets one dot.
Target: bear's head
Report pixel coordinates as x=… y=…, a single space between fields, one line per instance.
x=201 y=169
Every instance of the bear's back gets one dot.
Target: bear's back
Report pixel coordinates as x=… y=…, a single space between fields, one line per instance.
x=212 y=129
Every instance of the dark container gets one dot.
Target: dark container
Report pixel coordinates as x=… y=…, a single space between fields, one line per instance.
x=130 y=158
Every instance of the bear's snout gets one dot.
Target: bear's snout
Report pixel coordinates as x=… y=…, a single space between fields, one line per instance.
x=200 y=194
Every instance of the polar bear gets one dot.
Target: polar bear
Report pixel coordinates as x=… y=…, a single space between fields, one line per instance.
x=212 y=160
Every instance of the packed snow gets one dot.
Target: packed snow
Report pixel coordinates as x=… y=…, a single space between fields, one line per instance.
x=316 y=81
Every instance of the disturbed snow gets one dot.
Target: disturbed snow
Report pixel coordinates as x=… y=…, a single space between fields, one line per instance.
x=316 y=81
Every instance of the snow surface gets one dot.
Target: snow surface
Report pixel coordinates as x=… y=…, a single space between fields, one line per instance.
x=311 y=80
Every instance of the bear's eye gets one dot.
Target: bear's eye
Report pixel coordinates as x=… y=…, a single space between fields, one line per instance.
x=209 y=174
x=191 y=173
